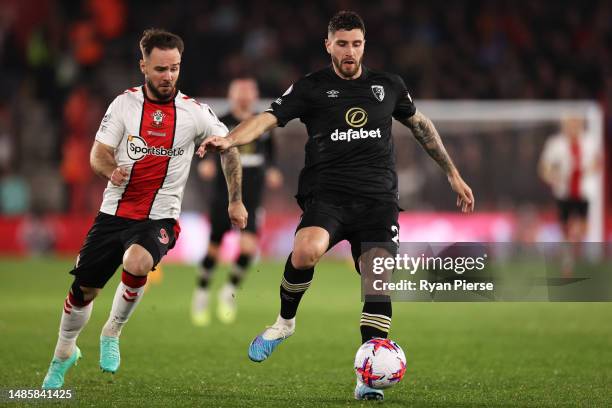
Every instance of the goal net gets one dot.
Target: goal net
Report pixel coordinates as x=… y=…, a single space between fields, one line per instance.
x=497 y=146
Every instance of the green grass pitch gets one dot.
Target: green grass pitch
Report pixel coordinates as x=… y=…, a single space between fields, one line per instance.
x=459 y=354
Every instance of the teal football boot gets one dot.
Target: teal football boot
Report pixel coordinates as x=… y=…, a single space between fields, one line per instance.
x=57 y=370
x=110 y=358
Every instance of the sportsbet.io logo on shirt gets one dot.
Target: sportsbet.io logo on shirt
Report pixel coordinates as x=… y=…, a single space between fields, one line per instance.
x=357 y=118
x=137 y=149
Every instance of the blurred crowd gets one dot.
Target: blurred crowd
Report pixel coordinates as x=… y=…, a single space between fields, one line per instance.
x=64 y=61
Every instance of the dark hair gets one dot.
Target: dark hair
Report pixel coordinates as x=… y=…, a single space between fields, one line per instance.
x=162 y=39
x=345 y=20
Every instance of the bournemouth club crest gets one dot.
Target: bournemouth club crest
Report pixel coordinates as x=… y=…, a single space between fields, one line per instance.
x=379 y=92
x=158 y=118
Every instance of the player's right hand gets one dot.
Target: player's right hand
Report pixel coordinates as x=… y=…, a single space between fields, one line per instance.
x=119 y=176
x=216 y=144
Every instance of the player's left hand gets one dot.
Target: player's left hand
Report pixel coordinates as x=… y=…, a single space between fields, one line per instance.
x=465 y=198
x=238 y=214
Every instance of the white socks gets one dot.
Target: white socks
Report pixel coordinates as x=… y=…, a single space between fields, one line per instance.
x=282 y=328
x=227 y=294
x=128 y=295
x=200 y=300
x=288 y=323
x=74 y=318
x=76 y=315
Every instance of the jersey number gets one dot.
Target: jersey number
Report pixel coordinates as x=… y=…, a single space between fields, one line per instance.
x=395 y=232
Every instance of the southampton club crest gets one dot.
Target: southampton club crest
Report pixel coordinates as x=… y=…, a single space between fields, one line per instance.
x=158 y=118
x=379 y=92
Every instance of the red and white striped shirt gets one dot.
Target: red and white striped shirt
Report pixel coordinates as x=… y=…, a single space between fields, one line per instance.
x=156 y=142
x=574 y=163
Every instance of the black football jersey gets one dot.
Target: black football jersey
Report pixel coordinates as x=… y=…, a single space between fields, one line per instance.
x=349 y=152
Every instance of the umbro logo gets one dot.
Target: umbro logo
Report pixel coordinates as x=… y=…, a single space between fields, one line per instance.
x=332 y=94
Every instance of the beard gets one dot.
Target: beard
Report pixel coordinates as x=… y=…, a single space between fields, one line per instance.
x=347 y=70
x=159 y=95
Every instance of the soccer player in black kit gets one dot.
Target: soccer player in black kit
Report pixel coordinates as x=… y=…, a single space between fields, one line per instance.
x=348 y=187
x=257 y=159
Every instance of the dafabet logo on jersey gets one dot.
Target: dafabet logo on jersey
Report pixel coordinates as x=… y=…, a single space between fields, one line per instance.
x=137 y=149
x=355 y=117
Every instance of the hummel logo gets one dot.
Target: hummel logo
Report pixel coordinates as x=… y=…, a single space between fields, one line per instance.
x=332 y=94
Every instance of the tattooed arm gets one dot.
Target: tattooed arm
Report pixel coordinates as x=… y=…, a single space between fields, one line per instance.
x=232 y=169
x=230 y=162
x=426 y=134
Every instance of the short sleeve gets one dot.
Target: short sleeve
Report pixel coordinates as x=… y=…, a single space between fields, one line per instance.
x=112 y=126
x=404 y=107
x=291 y=105
x=209 y=124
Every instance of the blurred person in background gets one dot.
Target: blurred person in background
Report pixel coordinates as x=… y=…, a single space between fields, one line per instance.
x=258 y=170
x=15 y=194
x=37 y=233
x=144 y=148
x=348 y=187
x=568 y=160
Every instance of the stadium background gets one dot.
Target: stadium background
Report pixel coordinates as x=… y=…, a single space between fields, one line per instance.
x=63 y=61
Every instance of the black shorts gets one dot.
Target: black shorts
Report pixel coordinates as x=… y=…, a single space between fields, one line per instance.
x=252 y=189
x=572 y=208
x=108 y=239
x=361 y=224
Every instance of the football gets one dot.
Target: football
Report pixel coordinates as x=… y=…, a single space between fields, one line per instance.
x=380 y=363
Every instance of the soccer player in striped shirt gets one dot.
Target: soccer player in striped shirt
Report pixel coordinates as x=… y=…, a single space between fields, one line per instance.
x=144 y=148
